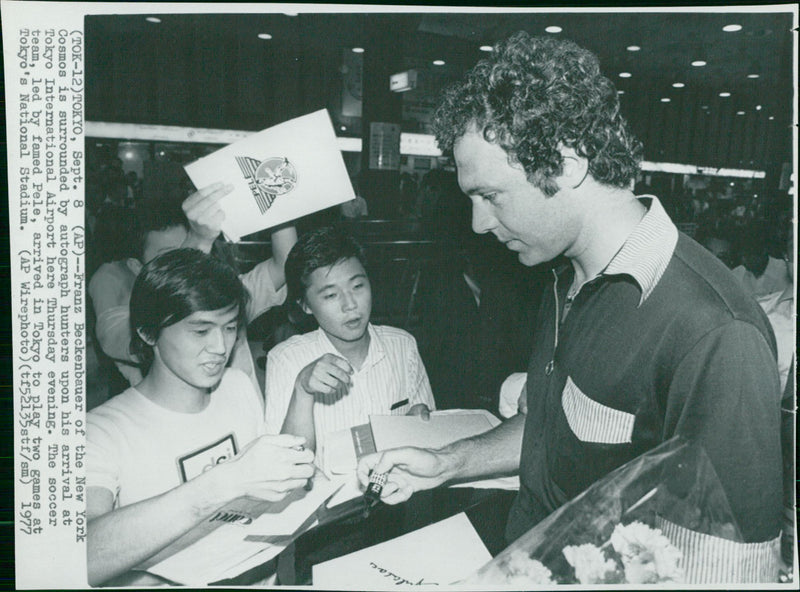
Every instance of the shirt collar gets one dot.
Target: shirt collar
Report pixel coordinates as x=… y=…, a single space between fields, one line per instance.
x=647 y=251
x=375 y=352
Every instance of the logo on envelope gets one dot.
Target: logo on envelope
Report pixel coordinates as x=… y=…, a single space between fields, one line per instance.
x=268 y=178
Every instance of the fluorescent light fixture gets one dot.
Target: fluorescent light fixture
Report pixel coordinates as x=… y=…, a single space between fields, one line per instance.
x=624 y=74
x=740 y=113
x=486 y=48
x=678 y=85
x=438 y=62
x=553 y=29
x=724 y=94
x=753 y=75
x=264 y=36
x=633 y=48
x=689 y=169
x=153 y=19
x=699 y=63
x=732 y=28
x=665 y=99
x=357 y=50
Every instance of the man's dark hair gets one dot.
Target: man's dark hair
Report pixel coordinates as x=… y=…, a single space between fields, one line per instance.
x=320 y=248
x=175 y=285
x=535 y=94
x=156 y=215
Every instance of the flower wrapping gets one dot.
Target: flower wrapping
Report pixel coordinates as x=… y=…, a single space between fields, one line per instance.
x=662 y=518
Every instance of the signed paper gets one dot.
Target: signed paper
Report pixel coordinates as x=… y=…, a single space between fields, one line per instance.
x=437 y=555
x=282 y=173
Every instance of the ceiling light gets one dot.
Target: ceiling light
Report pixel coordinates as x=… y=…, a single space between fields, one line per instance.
x=740 y=113
x=553 y=29
x=633 y=48
x=620 y=92
x=771 y=117
x=438 y=62
x=343 y=128
x=624 y=74
x=758 y=107
x=264 y=36
x=753 y=75
x=486 y=48
x=678 y=85
x=704 y=106
x=153 y=19
x=732 y=28
x=699 y=63
x=357 y=50
x=724 y=94
x=665 y=99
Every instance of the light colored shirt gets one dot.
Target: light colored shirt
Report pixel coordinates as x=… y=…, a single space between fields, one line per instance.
x=781 y=314
x=138 y=449
x=390 y=381
x=774 y=279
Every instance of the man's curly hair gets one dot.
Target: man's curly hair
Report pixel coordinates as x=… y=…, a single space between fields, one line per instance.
x=535 y=94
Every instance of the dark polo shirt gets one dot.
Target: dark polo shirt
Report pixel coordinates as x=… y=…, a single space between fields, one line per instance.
x=663 y=342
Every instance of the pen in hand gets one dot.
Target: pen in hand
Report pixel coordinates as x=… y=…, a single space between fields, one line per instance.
x=310 y=481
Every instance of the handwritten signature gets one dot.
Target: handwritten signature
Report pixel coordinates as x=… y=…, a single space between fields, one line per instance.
x=399 y=580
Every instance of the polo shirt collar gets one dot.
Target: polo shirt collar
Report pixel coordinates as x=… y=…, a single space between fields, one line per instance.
x=647 y=251
x=375 y=353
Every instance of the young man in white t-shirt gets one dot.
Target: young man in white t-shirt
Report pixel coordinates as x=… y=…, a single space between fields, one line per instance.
x=164 y=455
x=335 y=377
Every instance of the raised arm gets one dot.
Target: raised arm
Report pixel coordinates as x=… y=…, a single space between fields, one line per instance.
x=414 y=469
x=283 y=239
x=118 y=540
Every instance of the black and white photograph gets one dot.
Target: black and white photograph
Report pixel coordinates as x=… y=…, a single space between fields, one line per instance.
x=368 y=297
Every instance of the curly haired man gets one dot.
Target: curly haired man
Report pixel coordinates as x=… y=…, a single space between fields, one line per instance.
x=642 y=335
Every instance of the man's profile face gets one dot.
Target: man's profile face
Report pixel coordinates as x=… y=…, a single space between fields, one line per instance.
x=340 y=298
x=196 y=349
x=519 y=215
x=161 y=241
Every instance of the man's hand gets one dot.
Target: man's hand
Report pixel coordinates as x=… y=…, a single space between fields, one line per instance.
x=205 y=215
x=421 y=410
x=326 y=375
x=269 y=467
x=409 y=470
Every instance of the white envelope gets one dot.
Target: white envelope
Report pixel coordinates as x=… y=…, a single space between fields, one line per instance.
x=287 y=171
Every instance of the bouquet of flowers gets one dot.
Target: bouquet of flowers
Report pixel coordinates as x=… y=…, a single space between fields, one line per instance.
x=663 y=518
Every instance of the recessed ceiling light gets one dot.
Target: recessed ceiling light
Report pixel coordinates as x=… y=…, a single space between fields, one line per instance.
x=771 y=117
x=624 y=74
x=486 y=48
x=699 y=63
x=758 y=107
x=343 y=128
x=724 y=94
x=357 y=50
x=753 y=75
x=740 y=113
x=633 y=48
x=153 y=19
x=553 y=29
x=665 y=99
x=264 y=36
x=438 y=62
x=732 y=28
x=678 y=84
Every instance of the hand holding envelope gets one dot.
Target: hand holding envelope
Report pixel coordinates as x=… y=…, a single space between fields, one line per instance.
x=279 y=174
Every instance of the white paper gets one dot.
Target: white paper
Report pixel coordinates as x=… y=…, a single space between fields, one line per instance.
x=444 y=427
x=436 y=555
x=284 y=172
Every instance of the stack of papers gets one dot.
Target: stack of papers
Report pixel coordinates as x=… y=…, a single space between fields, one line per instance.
x=241 y=535
x=434 y=556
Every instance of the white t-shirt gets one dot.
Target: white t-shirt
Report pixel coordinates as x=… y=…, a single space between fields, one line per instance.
x=137 y=449
x=390 y=381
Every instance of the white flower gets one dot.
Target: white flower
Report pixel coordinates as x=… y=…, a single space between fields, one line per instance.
x=521 y=569
x=591 y=565
x=647 y=555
